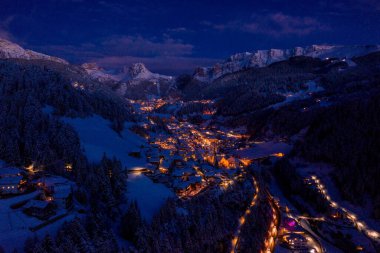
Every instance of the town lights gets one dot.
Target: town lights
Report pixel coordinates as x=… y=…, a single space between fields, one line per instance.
x=373 y=234
x=68 y=167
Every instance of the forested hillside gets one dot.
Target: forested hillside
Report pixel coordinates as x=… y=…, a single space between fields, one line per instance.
x=29 y=131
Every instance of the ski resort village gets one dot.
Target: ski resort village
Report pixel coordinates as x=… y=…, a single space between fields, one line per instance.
x=189 y=126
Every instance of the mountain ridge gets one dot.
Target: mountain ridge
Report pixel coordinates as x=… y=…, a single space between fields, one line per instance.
x=137 y=71
x=262 y=58
x=9 y=50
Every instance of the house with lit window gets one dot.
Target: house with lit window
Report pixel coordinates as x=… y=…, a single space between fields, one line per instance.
x=11 y=181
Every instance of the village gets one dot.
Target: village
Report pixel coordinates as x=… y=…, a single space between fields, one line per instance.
x=32 y=200
x=188 y=157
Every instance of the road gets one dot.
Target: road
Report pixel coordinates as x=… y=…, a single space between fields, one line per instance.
x=242 y=219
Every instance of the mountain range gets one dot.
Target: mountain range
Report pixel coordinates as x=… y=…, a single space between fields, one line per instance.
x=262 y=58
x=322 y=100
x=139 y=72
x=10 y=50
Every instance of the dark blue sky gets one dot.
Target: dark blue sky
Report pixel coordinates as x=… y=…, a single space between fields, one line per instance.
x=172 y=36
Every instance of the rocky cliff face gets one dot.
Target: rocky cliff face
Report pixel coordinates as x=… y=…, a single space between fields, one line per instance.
x=262 y=58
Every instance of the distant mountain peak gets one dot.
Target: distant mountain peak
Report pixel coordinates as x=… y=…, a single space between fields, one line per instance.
x=262 y=58
x=138 y=70
x=10 y=50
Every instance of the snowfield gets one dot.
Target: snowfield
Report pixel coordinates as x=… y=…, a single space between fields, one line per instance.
x=149 y=195
x=98 y=138
x=264 y=149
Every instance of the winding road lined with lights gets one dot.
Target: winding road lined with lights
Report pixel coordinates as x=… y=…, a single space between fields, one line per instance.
x=235 y=239
x=360 y=225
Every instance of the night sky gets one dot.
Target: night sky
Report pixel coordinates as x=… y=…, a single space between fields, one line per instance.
x=173 y=36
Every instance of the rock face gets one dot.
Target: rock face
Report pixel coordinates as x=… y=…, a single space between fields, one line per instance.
x=10 y=50
x=136 y=72
x=99 y=73
x=262 y=58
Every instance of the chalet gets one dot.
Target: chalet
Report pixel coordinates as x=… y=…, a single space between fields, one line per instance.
x=155 y=160
x=62 y=195
x=185 y=188
x=58 y=190
x=11 y=181
x=208 y=171
x=39 y=209
x=164 y=166
x=229 y=163
x=178 y=162
x=183 y=173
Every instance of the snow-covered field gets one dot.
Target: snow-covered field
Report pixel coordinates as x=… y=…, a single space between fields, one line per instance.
x=312 y=87
x=264 y=149
x=149 y=195
x=98 y=138
x=14 y=224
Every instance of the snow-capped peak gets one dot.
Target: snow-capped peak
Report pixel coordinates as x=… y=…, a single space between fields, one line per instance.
x=138 y=71
x=11 y=50
x=262 y=58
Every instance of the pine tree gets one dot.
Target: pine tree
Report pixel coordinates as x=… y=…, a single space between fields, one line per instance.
x=130 y=223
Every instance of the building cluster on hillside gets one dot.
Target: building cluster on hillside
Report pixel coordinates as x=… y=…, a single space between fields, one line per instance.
x=49 y=194
x=191 y=158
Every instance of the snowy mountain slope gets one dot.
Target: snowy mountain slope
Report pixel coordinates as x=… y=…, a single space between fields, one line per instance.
x=134 y=82
x=137 y=71
x=111 y=143
x=11 y=50
x=262 y=58
x=98 y=73
x=150 y=196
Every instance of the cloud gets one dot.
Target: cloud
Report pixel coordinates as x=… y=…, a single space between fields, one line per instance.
x=178 y=30
x=139 y=46
x=273 y=24
x=166 y=65
x=165 y=55
x=344 y=6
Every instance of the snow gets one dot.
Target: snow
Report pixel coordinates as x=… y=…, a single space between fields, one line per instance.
x=290 y=97
x=98 y=138
x=264 y=149
x=149 y=195
x=14 y=224
x=323 y=172
x=98 y=73
x=12 y=50
x=137 y=72
x=9 y=171
x=262 y=58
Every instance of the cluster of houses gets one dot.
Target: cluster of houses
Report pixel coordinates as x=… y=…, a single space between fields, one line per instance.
x=189 y=159
x=12 y=181
x=48 y=194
